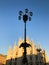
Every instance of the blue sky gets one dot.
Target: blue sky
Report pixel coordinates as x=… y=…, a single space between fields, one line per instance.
x=11 y=29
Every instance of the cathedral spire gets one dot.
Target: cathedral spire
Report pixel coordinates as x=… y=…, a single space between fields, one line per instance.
x=14 y=50
x=9 y=54
x=20 y=41
x=39 y=48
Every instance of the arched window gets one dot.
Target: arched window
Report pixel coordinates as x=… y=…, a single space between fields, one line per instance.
x=30 y=57
x=10 y=62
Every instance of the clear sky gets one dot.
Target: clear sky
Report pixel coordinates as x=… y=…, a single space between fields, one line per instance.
x=11 y=29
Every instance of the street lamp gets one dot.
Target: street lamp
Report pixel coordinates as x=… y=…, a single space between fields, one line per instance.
x=25 y=16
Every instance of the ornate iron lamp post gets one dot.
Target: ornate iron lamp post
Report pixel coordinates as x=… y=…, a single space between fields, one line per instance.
x=26 y=16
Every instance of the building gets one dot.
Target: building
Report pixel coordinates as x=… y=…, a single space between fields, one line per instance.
x=2 y=59
x=35 y=56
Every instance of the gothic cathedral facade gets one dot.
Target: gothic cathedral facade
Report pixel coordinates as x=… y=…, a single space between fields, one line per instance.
x=35 y=55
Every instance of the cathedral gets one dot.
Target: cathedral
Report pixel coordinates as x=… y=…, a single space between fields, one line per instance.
x=35 y=55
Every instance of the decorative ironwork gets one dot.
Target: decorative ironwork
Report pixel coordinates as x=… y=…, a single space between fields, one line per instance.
x=26 y=16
